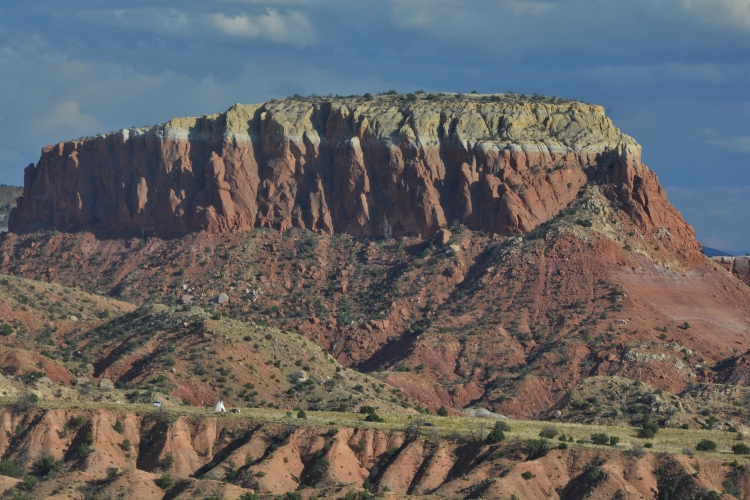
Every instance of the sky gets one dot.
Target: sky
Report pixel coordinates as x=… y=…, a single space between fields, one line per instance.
x=674 y=74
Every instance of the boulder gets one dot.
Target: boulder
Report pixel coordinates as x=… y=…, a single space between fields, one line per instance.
x=222 y=298
x=106 y=384
x=442 y=237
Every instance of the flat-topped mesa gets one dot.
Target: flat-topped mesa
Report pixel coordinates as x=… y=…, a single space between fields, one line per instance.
x=387 y=165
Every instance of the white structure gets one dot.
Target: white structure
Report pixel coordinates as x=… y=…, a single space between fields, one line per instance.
x=219 y=408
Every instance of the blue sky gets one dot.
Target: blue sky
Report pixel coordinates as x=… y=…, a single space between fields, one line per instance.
x=674 y=74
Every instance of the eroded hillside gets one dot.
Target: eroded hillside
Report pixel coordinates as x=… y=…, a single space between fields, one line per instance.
x=80 y=453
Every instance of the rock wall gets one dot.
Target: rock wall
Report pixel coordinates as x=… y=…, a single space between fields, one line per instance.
x=386 y=166
x=8 y=195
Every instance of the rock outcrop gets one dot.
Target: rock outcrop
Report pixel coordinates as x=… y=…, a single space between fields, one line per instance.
x=388 y=165
x=8 y=195
x=738 y=266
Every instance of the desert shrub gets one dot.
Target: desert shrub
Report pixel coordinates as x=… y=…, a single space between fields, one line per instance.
x=373 y=417
x=168 y=461
x=249 y=496
x=502 y=425
x=741 y=449
x=387 y=456
x=10 y=468
x=705 y=445
x=548 y=432
x=366 y=410
x=76 y=422
x=528 y=475
x=28 y=483
x=637 y=450
x=125 y=444
x=534 y=447
x=165 y=481
x=613 y=440
x=118 y=427
x=562 y=446
x=83 y=450
x=112 y=473
x=442 y=411
x=47 y=466
x=301 y=414
x=26 y=403
x=599 y=438
x=495 y=436
x=649 y=428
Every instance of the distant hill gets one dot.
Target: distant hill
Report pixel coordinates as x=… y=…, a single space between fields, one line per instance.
x=713 y=252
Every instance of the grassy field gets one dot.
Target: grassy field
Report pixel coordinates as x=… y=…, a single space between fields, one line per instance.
x=667 y=440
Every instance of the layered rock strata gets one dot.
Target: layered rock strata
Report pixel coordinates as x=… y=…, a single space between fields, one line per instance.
x=384 y=166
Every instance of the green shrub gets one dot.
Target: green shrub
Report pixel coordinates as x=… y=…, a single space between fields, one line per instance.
x=26 y=402
x=366 y=410
x=741 y=449
x=648 y=428
x=118 y=427
x=502 y=425
x=528 y=475
x=495 y=436
x=442 y=411
x=613 y=440
x=10 y=468
x=599 y=438
x=373 y=417
x=165 y=481
x=28 y=483
x=83 y=450
x=705 y=445
x=168 y=462
x=76 y=422
x=112 y=473
x=301 y=414
x=47 y=466
x=548 y=432
x=125 y=444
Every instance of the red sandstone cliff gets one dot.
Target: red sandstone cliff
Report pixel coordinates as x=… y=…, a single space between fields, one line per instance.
x=501 y=164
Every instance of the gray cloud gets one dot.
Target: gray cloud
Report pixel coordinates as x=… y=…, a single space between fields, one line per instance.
x=292 y=27
x=734 y=13
x=738 y=144
x=168 y=21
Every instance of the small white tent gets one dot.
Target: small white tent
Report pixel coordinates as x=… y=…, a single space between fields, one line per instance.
x=219 y=408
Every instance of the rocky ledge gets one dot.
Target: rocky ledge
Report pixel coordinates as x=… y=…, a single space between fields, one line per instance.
x=384 y=165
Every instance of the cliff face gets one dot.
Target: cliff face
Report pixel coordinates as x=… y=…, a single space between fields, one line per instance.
x=8 y=195
x=386 y=166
